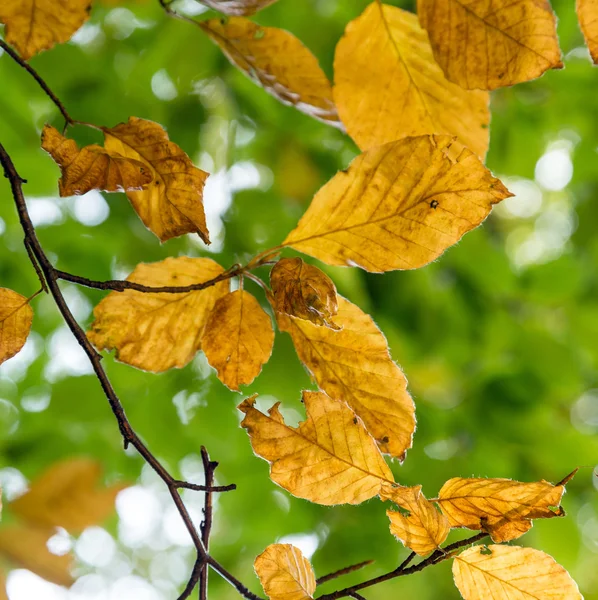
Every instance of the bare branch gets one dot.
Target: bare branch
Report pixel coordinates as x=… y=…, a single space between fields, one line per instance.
x=206 y=526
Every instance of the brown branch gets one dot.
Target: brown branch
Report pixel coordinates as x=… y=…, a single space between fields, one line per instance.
x=197 y=569
x=342 y=572
x=206 y=526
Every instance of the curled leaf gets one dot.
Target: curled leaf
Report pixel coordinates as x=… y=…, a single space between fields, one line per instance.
x=238 y=8
x=92 y=167
x=329 y=459
x=158 y=331
x=303 y=291
x=285 y=574
x=587 y=13
x=16 y=317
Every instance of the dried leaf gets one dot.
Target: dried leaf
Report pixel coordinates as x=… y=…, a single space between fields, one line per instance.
x=303 y=291
x=512 y=572
x=173 y=203
x=36 y=25
x=354 y=366
x=279 y=62
x=587 y=13
x=238 y=8
x=502 y=507
x=158 y=331
x=425 y=528
x=486 y=45
x=92 y=167
x=387 y=85
x=238 y=338
x=285 y=574
x=68 y=495
x=26 y=547
x=329 y=459
x=398 y=206
x=16 y=317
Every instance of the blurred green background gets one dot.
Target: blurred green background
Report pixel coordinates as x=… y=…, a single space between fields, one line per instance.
x=498 y=338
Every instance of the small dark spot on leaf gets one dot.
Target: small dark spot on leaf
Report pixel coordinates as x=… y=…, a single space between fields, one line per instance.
x=354 y=420
x=434 y=203
x=485 y=125
x=384 y=440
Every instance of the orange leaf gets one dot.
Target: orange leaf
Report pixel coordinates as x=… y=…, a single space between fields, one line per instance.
x=16 y=317
x=587 y=12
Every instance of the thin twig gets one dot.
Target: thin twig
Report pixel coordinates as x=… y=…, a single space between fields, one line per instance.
x=206 y=525
x=202 y=488
x=356 y=596
x=197 y=569
x=343 y=571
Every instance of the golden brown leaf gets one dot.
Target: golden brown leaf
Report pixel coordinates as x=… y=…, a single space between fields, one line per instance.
x=279 y=62
x=238 y=8
x=587 y=12
x=158 y=331
x=3 y=594
x=486 y=45
x=285 y=574
x=303 y=291
x=502 y=507
x=387 y=85
x=68 y=495
x=511 y=572
x=172 y=205
x=425 y=528
x=26 y=547
x=354 y=366
x=36 y=25
x=238 y=338
x=329 y=459
x=92 y=167
x=16 y=317
x=398 y=206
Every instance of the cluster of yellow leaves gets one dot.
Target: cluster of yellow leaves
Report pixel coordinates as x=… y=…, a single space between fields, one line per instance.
x=16 y=317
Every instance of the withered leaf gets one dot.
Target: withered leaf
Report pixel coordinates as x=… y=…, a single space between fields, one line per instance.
x=329 y=459
x=425 y=528
x=172 y=204
x=238 y=8
x=238 y=338
x=353 y=365
x=279 y=62
x=16 y=317
x=158 y=331
x=587 y=13
x=502 y=507
x=285 y=574
x=303 y=291
x=67 y=494
x=36 y=25
x=398 y=206
x=387 y=85
x=92 y=167
x=511 y=572
x=486 y=45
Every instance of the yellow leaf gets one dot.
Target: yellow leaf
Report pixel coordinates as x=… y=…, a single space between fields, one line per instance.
x=329 y=459
x=16 y=317
x=238 y=338
x=36 y=25
x=398 y=206
x=238 y=7
x=285 y=574
x=68 y=495
x=486 y=45
x=387 y=85
x=354 y=366
x=158 y=331
x=279 y=62
x=303 y=291
x=587 y=12
x=3 y=594
x=512 y=572
x=502 y=507
x=26 y=547
x=425 y=528
x=92 y=167
x=172 y=205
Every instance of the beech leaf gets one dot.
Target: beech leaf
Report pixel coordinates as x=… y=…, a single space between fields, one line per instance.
x=398 y=206
x=238 y=338
x=587 y=12
x=16 y=317
x=512 y=572
x=285 y=574
x=92 y=167
x=329 y=459
x=502 y=507
x=279 y=62
x=172 y=204
x=303 y=291
x=158 y=331
x=238 y=8
x=36 y=25
x=387 y=85
x=425 y=528
x=486 y=45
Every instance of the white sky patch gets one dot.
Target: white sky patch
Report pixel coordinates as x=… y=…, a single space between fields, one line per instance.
x=88 y=36
x=554 y=169
x=442 y=449
x=24 y=585
x=122 y=23
x=526 y=202
x=15 y=368
x=163 y=86
x=67 y=358
x=95 y=547
x=36 y=399
x=306 y=542
x=13 y=483
x=139 y=510
x=45 y=211
x=90 y=209
x=191 y=8
x=78 y=303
